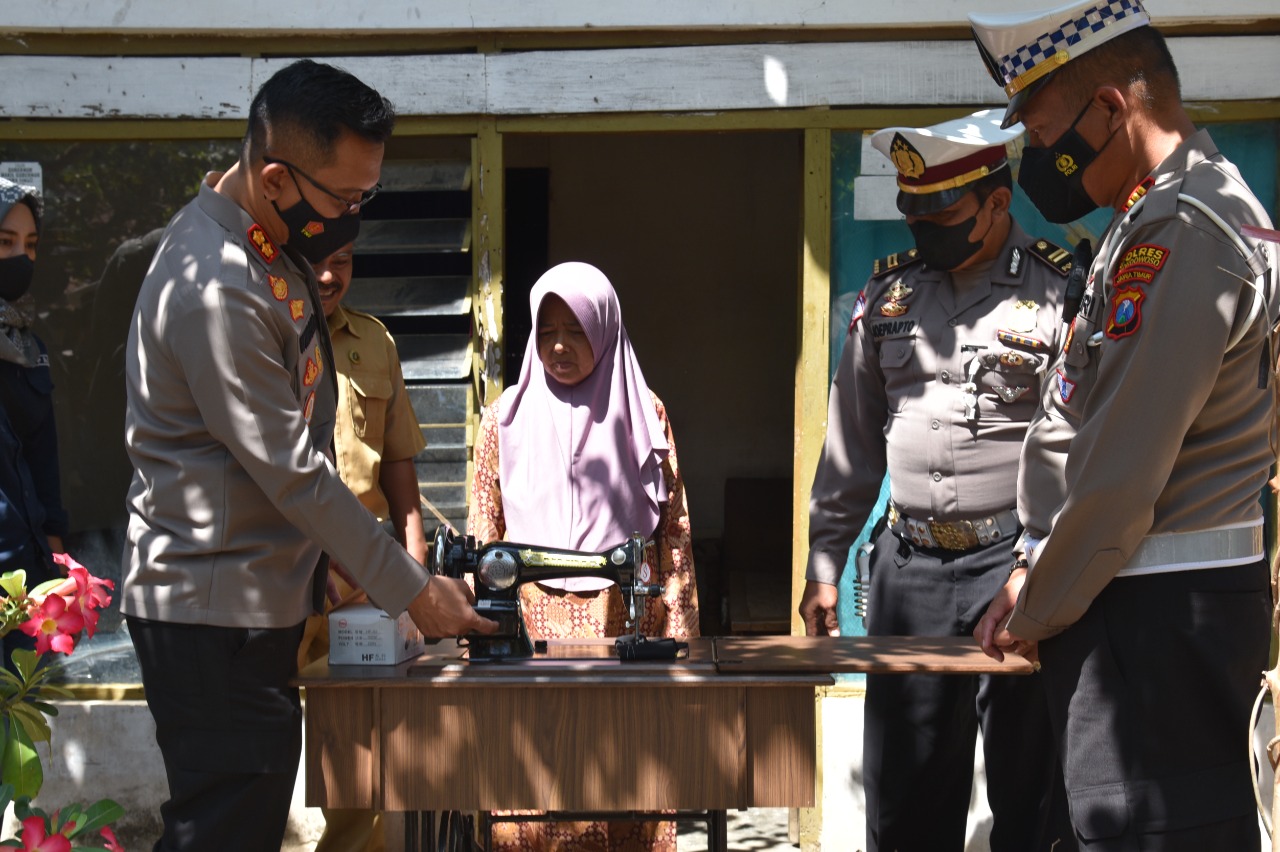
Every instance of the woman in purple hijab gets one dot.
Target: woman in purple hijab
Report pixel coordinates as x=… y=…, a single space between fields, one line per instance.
x=578 y=454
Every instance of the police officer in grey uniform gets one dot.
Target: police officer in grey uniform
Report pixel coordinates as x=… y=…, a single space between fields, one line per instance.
x=234 y=498
x=1143 y=581
x=941 y=371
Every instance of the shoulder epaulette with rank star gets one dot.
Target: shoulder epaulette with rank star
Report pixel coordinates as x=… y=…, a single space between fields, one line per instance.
x=894 y=261
x=1055 y=257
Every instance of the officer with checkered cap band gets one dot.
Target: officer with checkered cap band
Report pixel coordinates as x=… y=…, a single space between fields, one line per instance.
x=1144 y=587
x=940 y=375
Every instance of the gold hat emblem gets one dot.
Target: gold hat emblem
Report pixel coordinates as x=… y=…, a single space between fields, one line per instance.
x=906 y=159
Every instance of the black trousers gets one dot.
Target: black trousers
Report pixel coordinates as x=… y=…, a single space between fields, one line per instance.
x=229 y=728
x=920 y=730
x=1150 y=695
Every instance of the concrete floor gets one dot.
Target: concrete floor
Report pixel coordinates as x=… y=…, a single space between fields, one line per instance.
x=752 y=830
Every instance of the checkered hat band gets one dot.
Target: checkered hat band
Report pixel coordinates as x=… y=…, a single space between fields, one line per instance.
x=1068 y=35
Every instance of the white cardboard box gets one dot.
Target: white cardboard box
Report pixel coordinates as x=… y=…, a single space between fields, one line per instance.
x=360 y=634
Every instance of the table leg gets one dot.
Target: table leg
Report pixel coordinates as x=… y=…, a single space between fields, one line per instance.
x=717 y=831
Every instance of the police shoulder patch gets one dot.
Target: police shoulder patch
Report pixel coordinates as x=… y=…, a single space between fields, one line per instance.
x=1055 y=257
x=894 y=261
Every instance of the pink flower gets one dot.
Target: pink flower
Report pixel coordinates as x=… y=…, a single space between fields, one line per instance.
x=34 y=839
x=88 y=593
x=90 y=596
x=109 y=840
x=54 y=625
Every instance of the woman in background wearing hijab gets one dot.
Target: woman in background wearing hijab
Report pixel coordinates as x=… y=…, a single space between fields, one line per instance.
x=32 y=520
x=578 y=454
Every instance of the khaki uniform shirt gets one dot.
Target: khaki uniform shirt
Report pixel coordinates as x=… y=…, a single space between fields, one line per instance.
x=231 y=405
x=898 y=401
x=1150 y=424
x=379 y=423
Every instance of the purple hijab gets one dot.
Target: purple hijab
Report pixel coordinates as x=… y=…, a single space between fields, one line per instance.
x=581 y=467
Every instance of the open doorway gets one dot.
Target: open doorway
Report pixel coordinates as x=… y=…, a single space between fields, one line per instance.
x=700 y=235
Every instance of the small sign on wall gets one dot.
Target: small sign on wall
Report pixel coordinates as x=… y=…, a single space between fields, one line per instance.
x=27 y=174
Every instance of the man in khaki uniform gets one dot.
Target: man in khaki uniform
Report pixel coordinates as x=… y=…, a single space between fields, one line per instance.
x=375 y=439
x=1144 y=582
x=939 y=377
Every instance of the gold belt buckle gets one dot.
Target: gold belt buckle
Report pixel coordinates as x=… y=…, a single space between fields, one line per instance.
x=957 y=535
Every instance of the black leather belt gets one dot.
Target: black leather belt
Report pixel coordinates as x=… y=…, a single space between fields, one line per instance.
x=955 y=535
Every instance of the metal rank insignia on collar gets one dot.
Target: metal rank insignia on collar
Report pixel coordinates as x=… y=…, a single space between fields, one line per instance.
x=262 y=243
x=1022 y=316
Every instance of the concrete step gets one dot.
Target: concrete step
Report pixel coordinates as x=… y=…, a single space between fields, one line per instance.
x=439 y=402
x=440 y=472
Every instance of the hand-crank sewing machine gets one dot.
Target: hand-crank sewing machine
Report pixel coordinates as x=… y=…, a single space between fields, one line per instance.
x=501 y=567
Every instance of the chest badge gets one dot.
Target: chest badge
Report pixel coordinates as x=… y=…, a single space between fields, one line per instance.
x=898 y=292
x=1126 y=313
x=1022 y=316
x=279 y=287
x=1009 y=395
x=893 y=309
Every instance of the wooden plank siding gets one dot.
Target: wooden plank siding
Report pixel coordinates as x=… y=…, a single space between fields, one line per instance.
x=662 y=79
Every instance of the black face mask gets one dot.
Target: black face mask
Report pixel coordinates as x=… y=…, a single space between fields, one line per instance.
x=15 y=277
x=314 y=236
x=1053 y=177
x=946 y=246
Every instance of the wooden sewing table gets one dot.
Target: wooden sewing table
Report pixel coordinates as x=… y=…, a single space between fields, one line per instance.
x=575 y=730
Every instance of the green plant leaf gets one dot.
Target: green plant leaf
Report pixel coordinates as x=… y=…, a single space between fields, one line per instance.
x=47 y=586
x=6 y=796
x=66 y=815
x=32 y=721
x=20 y=765
x=100 y=813
x=25 y=662
x=14 y=583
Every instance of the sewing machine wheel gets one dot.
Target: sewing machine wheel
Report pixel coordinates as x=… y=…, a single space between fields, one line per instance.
x=444 y=534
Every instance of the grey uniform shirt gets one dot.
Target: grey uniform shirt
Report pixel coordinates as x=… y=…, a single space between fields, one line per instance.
x=1150 y=424
x=231 y=408
x=898 y=400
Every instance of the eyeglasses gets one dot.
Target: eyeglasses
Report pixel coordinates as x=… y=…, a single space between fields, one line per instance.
x=351 y=206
